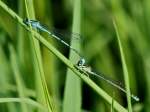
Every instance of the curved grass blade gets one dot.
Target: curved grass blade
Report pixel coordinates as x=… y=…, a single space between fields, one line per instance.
x=125 y=69
x=24 y=100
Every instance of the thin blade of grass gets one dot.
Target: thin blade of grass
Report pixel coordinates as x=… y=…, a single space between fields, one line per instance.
x=17 y=75
x=36 y=55
x=13 y=88
x=38 y=61
x=24 y=100
x=112 y=104
x=5 y=78
x=21 y=40
x=72 y=96
x=146 y=57
x=125 y=69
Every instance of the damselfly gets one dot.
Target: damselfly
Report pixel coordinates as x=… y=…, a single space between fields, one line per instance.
x=88 y=71
x=37 y=25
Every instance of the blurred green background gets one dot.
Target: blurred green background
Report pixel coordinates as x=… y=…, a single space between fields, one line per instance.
x=98 y=45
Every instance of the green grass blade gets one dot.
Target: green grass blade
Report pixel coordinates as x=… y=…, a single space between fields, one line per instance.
x=13 y=88
x=38 y=61
x=112 y=104
x=24 y=100
x=72 y=95
x=36 y=55
x=17 y=75
x=5 y=77
x=125 y=69
x=20 y=37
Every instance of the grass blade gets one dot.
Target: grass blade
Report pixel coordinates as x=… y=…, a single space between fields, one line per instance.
x=17 y=75
x=72 y=96
x=112 y=104
x=24 y=100
x=5 y=79
x=38 y=61
x=125 y=69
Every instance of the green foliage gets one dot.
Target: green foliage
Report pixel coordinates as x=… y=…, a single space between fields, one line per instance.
x=36 y=76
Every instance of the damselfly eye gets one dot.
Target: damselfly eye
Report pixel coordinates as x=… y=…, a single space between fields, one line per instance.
x=26 y=21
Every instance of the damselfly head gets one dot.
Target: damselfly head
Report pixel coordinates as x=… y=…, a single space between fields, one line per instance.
x=27 y=21
x=81 y=62
x=33 y=23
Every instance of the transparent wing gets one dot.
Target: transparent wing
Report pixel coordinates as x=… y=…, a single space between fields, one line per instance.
x=58 y=32
x=66 y=34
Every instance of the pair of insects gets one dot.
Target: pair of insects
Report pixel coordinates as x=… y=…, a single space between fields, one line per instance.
x=81 y=65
